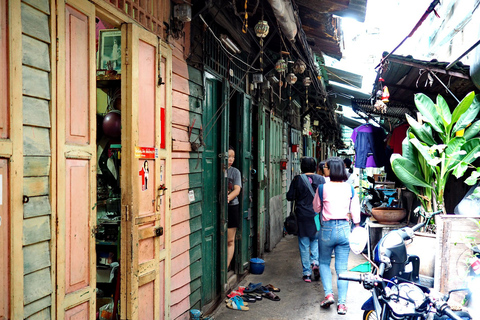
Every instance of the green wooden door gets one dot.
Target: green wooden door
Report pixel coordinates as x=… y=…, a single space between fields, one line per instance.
x=210 y=176
x=261 y=186
x=244 y=138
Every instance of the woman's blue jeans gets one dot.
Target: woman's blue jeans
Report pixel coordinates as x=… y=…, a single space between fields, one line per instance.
x=308 y=253
x=334 y=236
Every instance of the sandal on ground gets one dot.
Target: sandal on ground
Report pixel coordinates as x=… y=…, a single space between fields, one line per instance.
x=234 y=306
x=262 y=290
x=272 y=288
x=248 y=298
x=341 y=309
x=328 y=301
x=252 y=287
x=307 y=278
x=271 y=296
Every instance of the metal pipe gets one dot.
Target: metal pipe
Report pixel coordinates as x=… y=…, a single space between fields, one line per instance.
x=463 y=55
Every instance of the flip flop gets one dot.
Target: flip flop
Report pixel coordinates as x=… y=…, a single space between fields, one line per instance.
x=234 y=306
x=271 y=296
x=261 y=290
x=241 y=302
x=249 y=298
x=272 y=288
x=234 y=294
x=252 y=287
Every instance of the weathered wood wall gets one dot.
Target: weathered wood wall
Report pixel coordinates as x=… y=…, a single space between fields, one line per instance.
x=452 y=252
x=186 y=175
x=37 y=93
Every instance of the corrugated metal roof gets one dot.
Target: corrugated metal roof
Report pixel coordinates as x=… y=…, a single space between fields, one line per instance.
x=406 y=76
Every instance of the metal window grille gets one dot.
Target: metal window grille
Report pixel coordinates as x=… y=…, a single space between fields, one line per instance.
x=219 y=61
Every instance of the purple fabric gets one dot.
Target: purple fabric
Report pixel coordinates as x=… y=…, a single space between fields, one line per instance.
x=364 y=151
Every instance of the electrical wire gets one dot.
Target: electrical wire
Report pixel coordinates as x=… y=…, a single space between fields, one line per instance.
x=226 y=50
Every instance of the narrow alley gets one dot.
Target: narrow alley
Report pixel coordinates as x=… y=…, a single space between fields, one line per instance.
x=299 y=300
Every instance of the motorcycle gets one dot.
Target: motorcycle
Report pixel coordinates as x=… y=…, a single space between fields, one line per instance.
x=394 y=283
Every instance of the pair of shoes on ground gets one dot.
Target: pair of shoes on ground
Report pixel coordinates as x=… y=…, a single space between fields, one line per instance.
x=329 y=300
x=307 y=278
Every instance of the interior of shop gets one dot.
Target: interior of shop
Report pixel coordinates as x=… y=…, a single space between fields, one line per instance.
x=108 y=169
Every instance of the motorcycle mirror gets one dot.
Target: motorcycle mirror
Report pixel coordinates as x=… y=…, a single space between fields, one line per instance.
x=371 y=180
x=358 y=239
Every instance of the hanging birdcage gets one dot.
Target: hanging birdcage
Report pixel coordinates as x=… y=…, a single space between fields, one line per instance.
x=291 y=78
x=299 y=66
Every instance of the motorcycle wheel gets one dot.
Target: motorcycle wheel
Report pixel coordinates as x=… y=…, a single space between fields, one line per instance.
x=369 y=315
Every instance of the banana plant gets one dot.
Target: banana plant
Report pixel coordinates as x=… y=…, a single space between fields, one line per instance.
x=443 y=144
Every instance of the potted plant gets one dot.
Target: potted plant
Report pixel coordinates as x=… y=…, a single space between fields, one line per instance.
x=443 y=144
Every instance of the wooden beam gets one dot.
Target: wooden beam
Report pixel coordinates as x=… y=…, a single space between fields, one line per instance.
x=431 y=68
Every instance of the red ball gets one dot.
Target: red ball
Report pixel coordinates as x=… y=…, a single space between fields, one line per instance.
x=112 y=124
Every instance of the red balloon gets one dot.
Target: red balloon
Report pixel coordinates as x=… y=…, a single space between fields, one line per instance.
x=112 y=124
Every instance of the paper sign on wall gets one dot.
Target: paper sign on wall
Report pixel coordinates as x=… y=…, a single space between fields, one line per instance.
x=146 y=153
x=191 y=195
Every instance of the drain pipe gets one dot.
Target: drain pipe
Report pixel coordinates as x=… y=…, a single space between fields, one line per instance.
x=283 y=11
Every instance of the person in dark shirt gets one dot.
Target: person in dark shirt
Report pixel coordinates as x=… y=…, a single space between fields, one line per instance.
x=307 y=230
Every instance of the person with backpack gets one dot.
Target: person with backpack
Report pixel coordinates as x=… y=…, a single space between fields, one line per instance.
x=302 y=190
x=334 y=201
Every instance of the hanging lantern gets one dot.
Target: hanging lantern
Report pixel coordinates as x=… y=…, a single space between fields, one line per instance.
x=299 y=66
x=385 y=94
x=307 y=81
x=281 y=65
x=291 y=78
x=261 y=29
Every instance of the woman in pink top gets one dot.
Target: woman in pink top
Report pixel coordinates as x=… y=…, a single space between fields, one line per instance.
x=334 y=234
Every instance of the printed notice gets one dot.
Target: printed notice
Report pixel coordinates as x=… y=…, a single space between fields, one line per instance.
x=191 y=195
x=146 y=153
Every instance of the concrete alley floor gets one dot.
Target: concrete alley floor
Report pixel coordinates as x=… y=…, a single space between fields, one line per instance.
x=299 y=300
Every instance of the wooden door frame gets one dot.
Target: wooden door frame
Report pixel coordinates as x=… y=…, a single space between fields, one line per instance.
x=12 y=149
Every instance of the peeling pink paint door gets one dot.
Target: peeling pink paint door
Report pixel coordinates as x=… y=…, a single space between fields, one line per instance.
x=3 y=69
x=145 y=163
x=76 y=165
x=4 y=241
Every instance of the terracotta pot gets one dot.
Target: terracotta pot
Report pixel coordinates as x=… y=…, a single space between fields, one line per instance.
x=389 y=215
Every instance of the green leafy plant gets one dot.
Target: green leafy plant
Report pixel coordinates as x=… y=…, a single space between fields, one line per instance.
x=436 y=148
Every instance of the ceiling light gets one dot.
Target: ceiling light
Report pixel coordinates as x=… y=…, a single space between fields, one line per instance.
x=229 y=44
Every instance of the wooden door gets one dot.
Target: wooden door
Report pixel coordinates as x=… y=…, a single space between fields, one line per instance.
x=4 y=242
x=244 y=244
x=145 y=172
x=210 y=177
x=4 y=207
x=76 y=155
x=262 y=180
